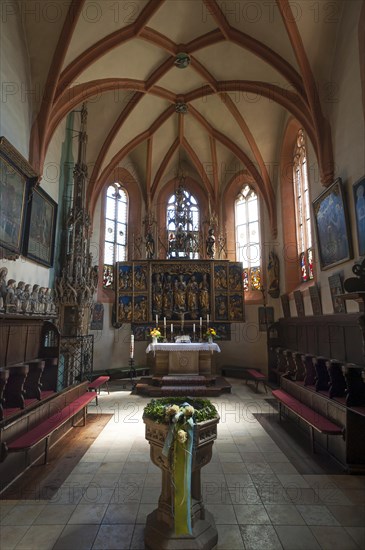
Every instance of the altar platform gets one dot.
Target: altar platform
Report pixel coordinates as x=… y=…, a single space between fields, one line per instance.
x=182 y=369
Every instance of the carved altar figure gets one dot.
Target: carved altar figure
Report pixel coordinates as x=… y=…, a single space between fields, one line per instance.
x=19 y=293
x=210 y=244
x=274 y=275
x=167 y=297
x=11 y=299
x=180 y=295
x=3 y=274
x=157 y=295
x=26 y=298
x=204 y=295
x=192 y=297
x=34 y=304
x=150 y=246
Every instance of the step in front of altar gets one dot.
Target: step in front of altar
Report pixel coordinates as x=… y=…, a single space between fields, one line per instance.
x=184 y=380
x=157 y=387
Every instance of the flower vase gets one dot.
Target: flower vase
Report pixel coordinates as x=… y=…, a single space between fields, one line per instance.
x=154 y=340
x=210 y=339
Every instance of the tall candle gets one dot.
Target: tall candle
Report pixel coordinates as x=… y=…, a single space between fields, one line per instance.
x=131 y=349
x=156 y=320
x=194 y=327
x=200 y=321
x=164 y=321
x=172 y=328
x=208 y=319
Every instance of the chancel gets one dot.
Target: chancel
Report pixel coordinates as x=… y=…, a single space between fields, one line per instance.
x=182 y=217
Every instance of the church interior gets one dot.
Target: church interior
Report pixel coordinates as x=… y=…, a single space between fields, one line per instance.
x=182 y=225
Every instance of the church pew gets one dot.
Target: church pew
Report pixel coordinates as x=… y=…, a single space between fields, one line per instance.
x=45 y=429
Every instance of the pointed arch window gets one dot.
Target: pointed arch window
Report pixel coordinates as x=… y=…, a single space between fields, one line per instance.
x=302 y=207
x=182 y=224
x=248 y=237
x=115 y=240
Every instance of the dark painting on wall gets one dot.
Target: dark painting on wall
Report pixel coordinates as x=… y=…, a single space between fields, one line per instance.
x=16 y=178
x=336 y=289
x=359 y=201
x=299 y=303
x=285 y=305
x=97 y=319
x=315 y=299
x=41 y=228
x=266 y=317
x=332 y=226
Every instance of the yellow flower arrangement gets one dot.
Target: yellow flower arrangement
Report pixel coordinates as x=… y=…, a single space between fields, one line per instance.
x=155 y=333
x=210 y=332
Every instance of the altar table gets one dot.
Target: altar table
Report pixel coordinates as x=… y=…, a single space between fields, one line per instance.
x=182 y=359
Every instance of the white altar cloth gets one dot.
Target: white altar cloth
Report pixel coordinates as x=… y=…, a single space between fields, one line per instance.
x=201 y=346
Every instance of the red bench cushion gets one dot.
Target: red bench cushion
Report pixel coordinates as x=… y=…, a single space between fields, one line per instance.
x=98 y=382
x=313 y=418
x=255 y=373
x=46 y=427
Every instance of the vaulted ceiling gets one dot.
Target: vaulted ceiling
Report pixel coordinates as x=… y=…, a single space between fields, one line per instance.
x=251 y=63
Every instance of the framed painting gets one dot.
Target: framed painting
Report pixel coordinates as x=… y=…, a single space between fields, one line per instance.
x=315 y=297
x=16 y=178
x=285 y=305
x=41 y=228
x=359 y=202
x=299 y=303
x=332 y=226
x=336 y=290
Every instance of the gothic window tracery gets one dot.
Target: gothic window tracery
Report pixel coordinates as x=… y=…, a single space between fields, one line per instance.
x=182 y=223
x=303 y=215
x=248 y=237
x=115 y=240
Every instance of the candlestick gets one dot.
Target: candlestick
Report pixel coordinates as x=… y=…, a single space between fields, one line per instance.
x=131 y=349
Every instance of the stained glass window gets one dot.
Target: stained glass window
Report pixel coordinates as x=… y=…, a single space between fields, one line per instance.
x=115 y=243
x=248 y=250
x=182 y=220
x=303 y=214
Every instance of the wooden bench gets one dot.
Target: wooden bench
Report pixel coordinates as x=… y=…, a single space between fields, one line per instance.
x=257 y=376
x=315 y=420
x=45 y=429
x=97 y=384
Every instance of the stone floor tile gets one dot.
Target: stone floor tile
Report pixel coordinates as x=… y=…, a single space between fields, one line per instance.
x=229 y=538
x=230 y=457
x=232 y=468
x=121 y=513
x=292 y=480
x=150 y=494
x=223 y=514
x=40 y=537
x=355 y=496
x=97 y=495
x=110 y=467
x=55 y=514
x=333 y=538
x=88 y=513
x=143 y=511
x=259 y=537
x=258 y=468
x=316 y=515
x=297 y=537
x=349 y=482
x=358 y=535
x=272 y=457
x=113 y=537
x=349 y=516
x=251 y=514
x=135 y=467
x=302 y=495
x=333 y=496
x=283 y=468
x=137 y=542
x=22 y=514
x=284 y=514
x=9 y=537
x=78 y=537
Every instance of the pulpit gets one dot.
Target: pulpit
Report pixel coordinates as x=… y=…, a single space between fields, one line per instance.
x=188 y=359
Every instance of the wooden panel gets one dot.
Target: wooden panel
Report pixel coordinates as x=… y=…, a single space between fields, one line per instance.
x=312 y=338
x=323 y=343
x=16 y=344
x=4 y=332
x=337 y=342
x=33 y=341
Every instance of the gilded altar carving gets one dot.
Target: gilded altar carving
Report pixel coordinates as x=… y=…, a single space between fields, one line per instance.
x=181 y=291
